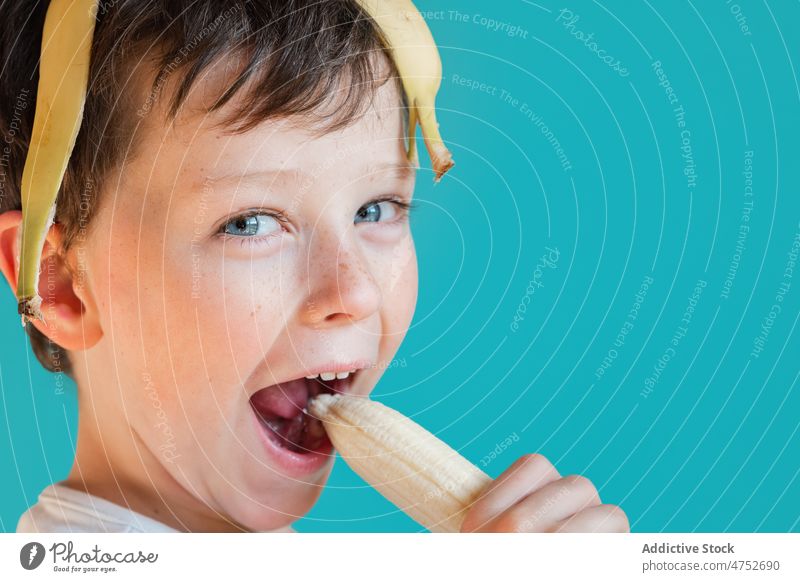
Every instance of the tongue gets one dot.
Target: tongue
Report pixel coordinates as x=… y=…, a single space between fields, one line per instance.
x=281 y=409
x=284 y=400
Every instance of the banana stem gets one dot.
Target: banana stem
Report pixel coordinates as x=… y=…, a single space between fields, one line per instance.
x=441 y=158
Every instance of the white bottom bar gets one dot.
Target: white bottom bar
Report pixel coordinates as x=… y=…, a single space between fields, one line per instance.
x=378 y=557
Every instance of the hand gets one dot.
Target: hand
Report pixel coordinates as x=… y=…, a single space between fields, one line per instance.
x=531 y=496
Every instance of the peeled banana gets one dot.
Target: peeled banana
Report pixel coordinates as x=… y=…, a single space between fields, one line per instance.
x=417 y=59
x=409 y=466
x=61 y=94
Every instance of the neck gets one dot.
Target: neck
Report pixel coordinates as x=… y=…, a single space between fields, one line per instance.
x=117 y=465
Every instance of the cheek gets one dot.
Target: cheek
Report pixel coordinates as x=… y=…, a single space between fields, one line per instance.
x=237 y=309
x=178 y=311
x=399 y=283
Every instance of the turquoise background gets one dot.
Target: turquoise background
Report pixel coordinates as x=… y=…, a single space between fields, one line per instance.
x=713 y=445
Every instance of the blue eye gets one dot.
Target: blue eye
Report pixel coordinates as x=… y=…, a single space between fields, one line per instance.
x=376 y=211
x=252 y=225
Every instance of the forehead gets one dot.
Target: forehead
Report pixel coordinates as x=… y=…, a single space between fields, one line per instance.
x=199 y=149
x=199 y=135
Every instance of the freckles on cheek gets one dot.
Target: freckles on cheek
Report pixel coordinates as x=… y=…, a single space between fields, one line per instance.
x=243 y=306
x=400 y=290
x=115 y=278
x=402 y=268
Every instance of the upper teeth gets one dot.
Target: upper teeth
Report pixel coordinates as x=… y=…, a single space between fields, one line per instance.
x=328 y=376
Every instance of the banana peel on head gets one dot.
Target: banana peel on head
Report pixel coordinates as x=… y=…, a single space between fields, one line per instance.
x=417 y=60
x=61 y=94
x=60 y=97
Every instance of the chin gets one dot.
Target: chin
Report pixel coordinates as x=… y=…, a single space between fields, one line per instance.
x=276 y=508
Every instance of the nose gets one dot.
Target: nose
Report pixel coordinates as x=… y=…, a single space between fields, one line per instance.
x=342 y=288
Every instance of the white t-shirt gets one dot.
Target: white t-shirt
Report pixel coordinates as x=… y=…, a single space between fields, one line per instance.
x=61 y=509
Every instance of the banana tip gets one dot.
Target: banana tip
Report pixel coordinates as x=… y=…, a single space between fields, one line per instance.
x=321 y=403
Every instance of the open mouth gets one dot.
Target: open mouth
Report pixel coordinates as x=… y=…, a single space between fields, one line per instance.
x=283 y=410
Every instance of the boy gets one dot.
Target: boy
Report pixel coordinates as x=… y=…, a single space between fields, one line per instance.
x=231 y=238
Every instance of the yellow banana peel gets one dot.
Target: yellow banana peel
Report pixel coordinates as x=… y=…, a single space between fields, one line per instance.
x=417 y=60
x=61 y=94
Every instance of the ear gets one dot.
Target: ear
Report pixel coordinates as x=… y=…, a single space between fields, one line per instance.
x=70 y=313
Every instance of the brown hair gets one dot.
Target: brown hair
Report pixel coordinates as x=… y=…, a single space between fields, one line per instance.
x=292 y=56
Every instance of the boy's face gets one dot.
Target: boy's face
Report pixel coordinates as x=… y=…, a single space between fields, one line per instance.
x=224 y=264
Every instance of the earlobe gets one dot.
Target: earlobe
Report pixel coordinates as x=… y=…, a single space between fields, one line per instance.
x=71 y=319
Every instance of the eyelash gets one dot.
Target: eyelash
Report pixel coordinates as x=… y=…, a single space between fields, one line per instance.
x=404 y=209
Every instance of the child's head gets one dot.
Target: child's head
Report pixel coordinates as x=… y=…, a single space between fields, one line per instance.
x=233 y=217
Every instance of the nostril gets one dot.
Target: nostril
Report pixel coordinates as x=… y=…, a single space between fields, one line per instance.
x=338 y=318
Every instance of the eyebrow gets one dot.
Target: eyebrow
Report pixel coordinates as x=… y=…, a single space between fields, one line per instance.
x=400 y=171
x=403 y=171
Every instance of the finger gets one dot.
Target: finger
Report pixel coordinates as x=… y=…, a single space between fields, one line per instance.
x=600 y=518
x=543 y=509
x=524 y=476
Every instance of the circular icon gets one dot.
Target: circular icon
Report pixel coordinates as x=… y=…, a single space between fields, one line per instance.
x=31 y=555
